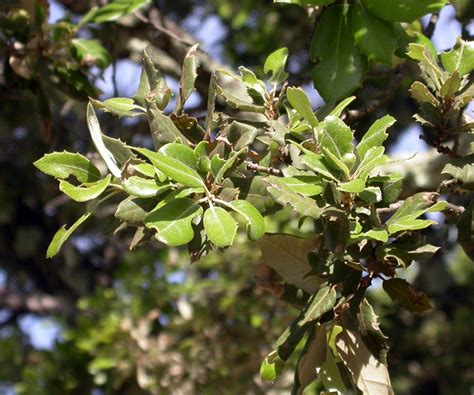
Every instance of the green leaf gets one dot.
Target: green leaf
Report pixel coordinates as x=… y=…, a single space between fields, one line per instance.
x=340 y=66
x=182 y=153
x=317 y=163
x=465 y=228
x=283 y=194
x=428 y=63
x=403 y=255
x=402 y=292
x=255 y=222
x=405 y=218
x=271 y=367
x=304 y=185
x=373 y=157
x=462 y=169
x=173 y=221
x=422 y=94
x=143 y=187
x=84 y=193
x=305 y=2
x=460 y=58
x=173 y=168
x=375 y=37
x=275 y=64
x=255 y=87
x=300 y=102
x=370 y=376
x=353 y=186
x=65 y=164
x=452 y=85
x=91 y=52
x=372 y=234
x=119 y=150
x=403 y=10
x=288 y=256
x=133 y=210
x=219 y=225
x=188 y=78
x=96 y=134
x=63 y=234
x=121 y=106
x=229 y=164
x=337 y=111
x=336 y=138
x=211 y=102
x=330 y=375
x=376 y=135
x=371 y=195
x=152 y=87
x=115 y=10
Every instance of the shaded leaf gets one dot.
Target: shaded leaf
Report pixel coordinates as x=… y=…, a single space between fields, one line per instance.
x=288 y=256
x=402 y=292
x=462 y=169
x=340 y=66
x=375 y=37
x=465 y=227
x=370 y=376
x=91 y=52
x=310 y=360
x=133 y=210
x=403 y=10
x=369 y=329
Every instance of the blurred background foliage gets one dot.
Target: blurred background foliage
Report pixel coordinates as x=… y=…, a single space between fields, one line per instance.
x=100 y=319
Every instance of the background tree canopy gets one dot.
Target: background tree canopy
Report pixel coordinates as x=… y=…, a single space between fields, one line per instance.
x=132 y=304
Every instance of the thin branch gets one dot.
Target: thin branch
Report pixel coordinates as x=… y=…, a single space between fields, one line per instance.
x=430 y=28
x=450 y=208
x=263 y=169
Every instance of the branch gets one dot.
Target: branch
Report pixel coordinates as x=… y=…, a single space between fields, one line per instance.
x=450 y=208
x=430 y=28
x=378 y=99
x=262 y=169
x=34 y=303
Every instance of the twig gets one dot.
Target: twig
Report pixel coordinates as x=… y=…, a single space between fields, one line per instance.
x=163 y=29
x=430 y=28
x=450 y=208
x=263 y=169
